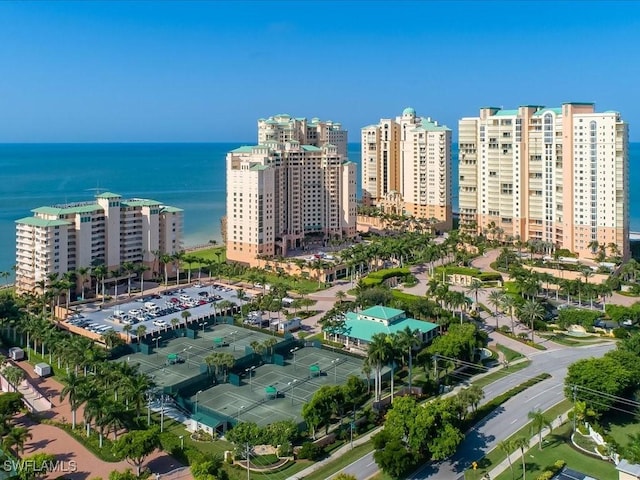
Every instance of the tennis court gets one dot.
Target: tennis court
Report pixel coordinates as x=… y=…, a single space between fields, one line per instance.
x=176 y=359
x=275 y=392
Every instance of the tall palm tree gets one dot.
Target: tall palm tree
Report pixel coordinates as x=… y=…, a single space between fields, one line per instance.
x=538 y=423
x=140 y=269
x=185 y=316
x=176 y=260
x=82 y=273
x=530 y=312
x=408 y=340
x=341 y=296
x=507 y=447
x=522 y=444
x=377 y=356
x=127 y=329
x=72 y=389
x=128 y=268
x=166 y=259
x=496 y=299
x=140 y=332
x=509 y=304
x=100 y=272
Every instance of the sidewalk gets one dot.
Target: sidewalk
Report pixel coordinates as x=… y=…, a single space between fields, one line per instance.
x=366 y=437
x=533 y=441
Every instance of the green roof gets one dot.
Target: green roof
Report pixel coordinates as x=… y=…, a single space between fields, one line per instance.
x=355 y=327
x=42 y=222
x=381 y=312
x=169 y=209
x=311 y=148
x=258 y=166
x=67 y=209
x=140 y=202
x=108 y=195
x=543 y=110
x=506 y=113
x=408 y=111
x=243 y=149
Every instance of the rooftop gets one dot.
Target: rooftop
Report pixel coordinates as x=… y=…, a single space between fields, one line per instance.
x=630 y=468
x=379 y=311
x=356 y=327
x=42 y=222
x=108 y=195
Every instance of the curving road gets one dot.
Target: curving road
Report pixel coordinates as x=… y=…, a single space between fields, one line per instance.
x=504 y=421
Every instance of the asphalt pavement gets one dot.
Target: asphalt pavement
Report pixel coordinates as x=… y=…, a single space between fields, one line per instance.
x=504 y=421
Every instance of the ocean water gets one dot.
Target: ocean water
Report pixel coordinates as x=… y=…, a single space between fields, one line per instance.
x=188 y=176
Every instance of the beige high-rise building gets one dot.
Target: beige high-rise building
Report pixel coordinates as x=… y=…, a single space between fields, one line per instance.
x=108 y=231
x=555 y=175
x=406 y=167
x=284 y=194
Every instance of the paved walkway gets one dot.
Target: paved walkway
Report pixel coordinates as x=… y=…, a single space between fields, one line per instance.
x=533 y=442
x=51 y=439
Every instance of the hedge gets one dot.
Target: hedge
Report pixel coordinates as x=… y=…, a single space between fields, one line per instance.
x=472 y=272
x=376 y=278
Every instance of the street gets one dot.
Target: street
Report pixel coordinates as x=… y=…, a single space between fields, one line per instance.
x=504 y=421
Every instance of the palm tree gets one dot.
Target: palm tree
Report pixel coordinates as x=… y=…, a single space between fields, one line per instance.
x=530 y=312
x=340 y=296
x=185 y=316
x=82 y=272
x=174 y=323
x=408 y=340
x=140 y=332
x=522 y=444
x=366 y=369
x=140 y=269
x=507 y=447
x=166 y=259
x=538 y=423
x=176 y=259
x=496 y=299
x=100 y=272
x=14 y=376
x=127 y=329
x=128 y=268
x=17 y=437
x=73 y=385
x=509 y=304
x=377 y=355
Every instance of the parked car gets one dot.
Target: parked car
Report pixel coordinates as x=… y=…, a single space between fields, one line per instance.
x=160 y=323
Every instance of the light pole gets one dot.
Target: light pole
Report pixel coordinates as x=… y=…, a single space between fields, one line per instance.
x=181 y=442
x=161 y=412
x=293 y=350
x=250 y=372
x=239 y=410
x=292 y=384
x=335 y=370
x=198 y=392
x=248 y=474
x=148 y=409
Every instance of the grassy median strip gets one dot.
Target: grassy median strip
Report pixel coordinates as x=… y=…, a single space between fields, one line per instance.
x=509 y=355
x=339 y=463
x=492 y=377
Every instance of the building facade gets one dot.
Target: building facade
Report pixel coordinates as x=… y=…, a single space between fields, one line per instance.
x=284 y=194
x=406 y=167
x=109 y=231
x=553 y=175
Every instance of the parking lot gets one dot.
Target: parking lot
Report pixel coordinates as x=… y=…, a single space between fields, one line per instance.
x=156 y=312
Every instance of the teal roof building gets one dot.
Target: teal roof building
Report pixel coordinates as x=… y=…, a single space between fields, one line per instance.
x=360 y=327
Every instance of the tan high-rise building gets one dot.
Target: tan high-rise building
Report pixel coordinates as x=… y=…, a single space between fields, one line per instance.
x=284 y=194
x=406 y=167
x=555 y=175
x=108 y=231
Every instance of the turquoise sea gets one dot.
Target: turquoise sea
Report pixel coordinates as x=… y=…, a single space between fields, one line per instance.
x=189 y=176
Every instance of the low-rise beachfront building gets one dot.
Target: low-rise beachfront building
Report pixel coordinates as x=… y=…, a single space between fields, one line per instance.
x=109 y=232
x=360 y=327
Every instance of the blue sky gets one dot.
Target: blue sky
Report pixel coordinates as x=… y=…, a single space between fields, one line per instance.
x=205 y=71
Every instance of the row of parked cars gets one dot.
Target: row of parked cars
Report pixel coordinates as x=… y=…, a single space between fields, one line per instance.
x=80 y=321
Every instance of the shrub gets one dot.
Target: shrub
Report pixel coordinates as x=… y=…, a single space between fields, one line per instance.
x=620 y=333
x=504 y=329
x=310 y=451
x=285 y=450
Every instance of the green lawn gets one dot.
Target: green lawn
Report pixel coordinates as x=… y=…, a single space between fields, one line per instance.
x=557 y=447
x=495 y=456
x=492 y=377
x=206 y=254
x=619 y=425
x=509 y=355
x=341 y=462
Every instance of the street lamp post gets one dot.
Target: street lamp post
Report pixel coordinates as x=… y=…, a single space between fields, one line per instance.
x=161 y=412
x=293 y=350
x=239 y=410
x=198 y=392
x=292 y=384
x=335 y=370
x=181 y=442
x=249 y=371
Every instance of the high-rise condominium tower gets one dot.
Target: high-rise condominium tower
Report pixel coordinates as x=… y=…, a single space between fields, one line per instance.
x=555 y=175
x=109 y=232
x=406 y=167
x=295 y=188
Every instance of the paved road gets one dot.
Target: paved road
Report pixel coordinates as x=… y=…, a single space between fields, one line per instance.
x=506 y=420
